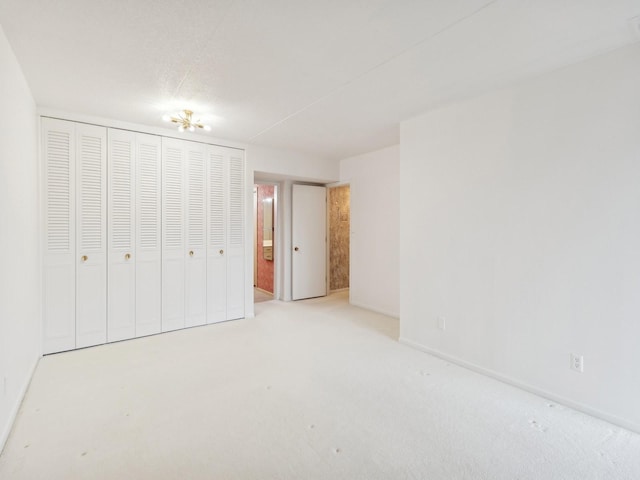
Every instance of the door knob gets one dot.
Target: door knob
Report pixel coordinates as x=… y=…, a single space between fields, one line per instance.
x=191 y=253
x=127 y=256
x=296 y=249
x=221 y=252
x=84 y=258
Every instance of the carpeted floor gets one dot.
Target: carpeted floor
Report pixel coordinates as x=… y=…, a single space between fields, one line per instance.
x=306 y=390
x=261 y=296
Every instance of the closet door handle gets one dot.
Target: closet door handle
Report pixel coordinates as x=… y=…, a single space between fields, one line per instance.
x=296 y=249
x=221 y=252
x=84 y=258
x=127 y=256
x=191 y=253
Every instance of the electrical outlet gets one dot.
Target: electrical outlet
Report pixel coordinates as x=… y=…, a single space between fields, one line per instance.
x=442 y=323
x=577 y=363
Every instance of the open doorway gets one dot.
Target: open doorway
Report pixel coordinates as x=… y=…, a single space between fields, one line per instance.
x=339 y=237
x=264 y=242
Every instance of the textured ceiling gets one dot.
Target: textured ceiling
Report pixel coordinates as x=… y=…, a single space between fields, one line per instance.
x=327 y=77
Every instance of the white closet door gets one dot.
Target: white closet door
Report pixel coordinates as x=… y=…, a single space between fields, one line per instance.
x=121 y=293
x=195 y=254
x=148 y=257
x=235 y=240
x=173 y=234
x=216 y=236
x=59 y=309
x=91 y=268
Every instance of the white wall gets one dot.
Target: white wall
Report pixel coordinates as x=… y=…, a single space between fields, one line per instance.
x=19 y=238
x=520 y=224
x=288 y=164
x=374 y=179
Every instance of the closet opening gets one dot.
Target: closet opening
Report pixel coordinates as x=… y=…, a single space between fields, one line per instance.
x=264 y=246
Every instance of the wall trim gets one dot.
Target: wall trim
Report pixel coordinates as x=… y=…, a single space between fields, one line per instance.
x=621 y=422
x=4 y=435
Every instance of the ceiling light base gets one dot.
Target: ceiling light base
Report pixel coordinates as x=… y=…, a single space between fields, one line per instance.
x=185 y=121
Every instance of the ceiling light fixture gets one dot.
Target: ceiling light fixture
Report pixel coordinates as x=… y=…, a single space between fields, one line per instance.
x=185 y=121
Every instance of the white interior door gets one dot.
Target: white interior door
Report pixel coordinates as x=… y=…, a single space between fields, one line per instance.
x=216 y=236
x=121 y=275
x=309 y=234
x=196 y=254
x=148 y=249
x=235 y=240
x=59 y=308
x=173 y=237
x=91 y=254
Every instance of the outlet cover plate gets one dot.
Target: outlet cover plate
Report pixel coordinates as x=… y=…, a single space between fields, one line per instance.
x=577 y=363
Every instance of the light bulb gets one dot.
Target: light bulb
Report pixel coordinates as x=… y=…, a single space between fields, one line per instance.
x=166 y=118
x=207 y=128
x=192 y=128
x=181 y=128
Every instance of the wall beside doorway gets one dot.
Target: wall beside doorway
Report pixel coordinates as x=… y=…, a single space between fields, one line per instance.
x=374 y=181
x=265 y=267
x=339 y=227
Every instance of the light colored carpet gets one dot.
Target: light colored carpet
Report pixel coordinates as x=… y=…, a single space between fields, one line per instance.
x=306 y=390
x=261 y=296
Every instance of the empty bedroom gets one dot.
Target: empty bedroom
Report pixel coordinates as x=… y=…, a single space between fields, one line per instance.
x=320 y=239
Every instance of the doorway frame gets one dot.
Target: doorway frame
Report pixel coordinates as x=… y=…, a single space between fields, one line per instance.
x=276 y=235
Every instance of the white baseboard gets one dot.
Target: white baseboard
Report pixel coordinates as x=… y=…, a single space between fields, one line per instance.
x=374 y=309
x=621 y=422
x=338 y=290
x=4 y=436
x=264 y=291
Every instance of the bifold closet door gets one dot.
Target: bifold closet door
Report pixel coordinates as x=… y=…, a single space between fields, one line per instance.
x=173 y=241
x=225 y=234
x=91 y=238
x=216 y=235
x=143 y=234
x=235 y=239
x=59 y=309
x=148 y=257
x=121 y=275
x=196 y=253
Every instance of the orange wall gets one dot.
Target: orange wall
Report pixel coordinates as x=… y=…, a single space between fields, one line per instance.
x=265 y=267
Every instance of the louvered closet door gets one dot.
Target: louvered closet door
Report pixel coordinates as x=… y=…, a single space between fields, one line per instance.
x=235 y=239
x=59 y=228
x=148 y=249
x=121 y=293
x=195 y=252
x=216 y=236
x=173 y=234
x=91 y=267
